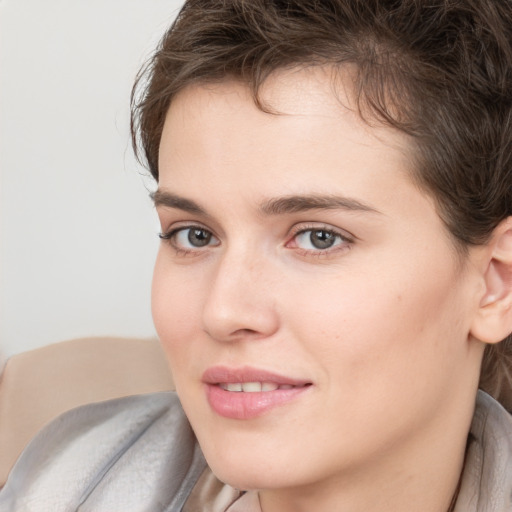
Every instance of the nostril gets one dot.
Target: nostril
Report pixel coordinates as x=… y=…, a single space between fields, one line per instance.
x=245 y=332
x=234 y=336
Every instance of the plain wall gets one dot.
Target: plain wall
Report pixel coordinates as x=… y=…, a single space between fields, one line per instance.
x=78 y=232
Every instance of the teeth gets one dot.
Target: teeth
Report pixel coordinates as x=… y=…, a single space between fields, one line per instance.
x=252 y=387
x=236 y=386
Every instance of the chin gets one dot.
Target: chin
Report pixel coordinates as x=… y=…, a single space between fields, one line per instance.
x=244 y=479
x=237 y=467
x=253 y=470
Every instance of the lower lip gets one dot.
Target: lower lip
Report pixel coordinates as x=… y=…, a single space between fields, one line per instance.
x=244 y=406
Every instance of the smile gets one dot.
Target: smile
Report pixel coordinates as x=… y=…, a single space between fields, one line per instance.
x=248 y=393
x=253 y=387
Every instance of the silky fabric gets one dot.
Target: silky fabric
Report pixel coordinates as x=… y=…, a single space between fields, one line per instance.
x=139 y=454
x=131 y=454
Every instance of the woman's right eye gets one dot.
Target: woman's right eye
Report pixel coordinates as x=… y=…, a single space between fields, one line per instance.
x=190 y=238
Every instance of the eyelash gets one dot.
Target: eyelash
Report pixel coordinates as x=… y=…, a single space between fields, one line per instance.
x=344 y=241
x=170 y=238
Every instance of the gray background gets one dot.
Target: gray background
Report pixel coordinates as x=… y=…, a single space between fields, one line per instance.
x=77 y=230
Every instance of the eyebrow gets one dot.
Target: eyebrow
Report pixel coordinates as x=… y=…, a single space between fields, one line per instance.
x=296 y=204
x=275 y=206
x=170 y=200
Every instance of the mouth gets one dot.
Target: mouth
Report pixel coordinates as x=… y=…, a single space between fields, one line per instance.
x=247 y=393
x=254 y=387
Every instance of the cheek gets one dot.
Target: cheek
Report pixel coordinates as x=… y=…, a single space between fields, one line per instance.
x=379 y=348
x=387 y=323
x=172 y=303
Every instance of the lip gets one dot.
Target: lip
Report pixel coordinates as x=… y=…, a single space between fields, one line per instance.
x=244 y=405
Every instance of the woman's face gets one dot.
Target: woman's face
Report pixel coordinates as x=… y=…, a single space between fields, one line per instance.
x=314 y=312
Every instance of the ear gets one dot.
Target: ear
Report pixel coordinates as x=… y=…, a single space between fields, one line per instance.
x=493 y=321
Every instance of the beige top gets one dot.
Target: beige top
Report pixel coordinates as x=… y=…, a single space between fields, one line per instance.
x=138 y=454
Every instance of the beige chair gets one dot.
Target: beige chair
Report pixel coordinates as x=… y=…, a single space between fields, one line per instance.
x=39 y=385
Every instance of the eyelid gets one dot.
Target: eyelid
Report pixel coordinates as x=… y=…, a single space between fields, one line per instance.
x=174 y=227
x=347 y=239
x=319 y=226
x=169 y=236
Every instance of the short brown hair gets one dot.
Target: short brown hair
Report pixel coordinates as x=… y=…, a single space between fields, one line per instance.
x=438 y=70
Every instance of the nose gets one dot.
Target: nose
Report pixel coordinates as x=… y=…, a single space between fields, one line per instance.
x=240 y=303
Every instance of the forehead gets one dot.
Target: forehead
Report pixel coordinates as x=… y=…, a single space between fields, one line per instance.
x=309 y=108
x=299 y=90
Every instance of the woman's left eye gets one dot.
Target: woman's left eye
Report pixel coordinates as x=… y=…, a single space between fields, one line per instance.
x=318 y=240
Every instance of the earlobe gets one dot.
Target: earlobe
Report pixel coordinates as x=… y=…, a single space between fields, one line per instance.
x=493 y=321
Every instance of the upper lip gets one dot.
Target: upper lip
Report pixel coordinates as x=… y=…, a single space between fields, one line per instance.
x=224 y=374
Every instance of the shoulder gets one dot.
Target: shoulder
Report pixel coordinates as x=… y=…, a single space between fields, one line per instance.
x=136 y=453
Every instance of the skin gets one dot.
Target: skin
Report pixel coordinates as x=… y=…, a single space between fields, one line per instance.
x=379 y=323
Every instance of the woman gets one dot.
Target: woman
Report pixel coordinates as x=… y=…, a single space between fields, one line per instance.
x=334 y=281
